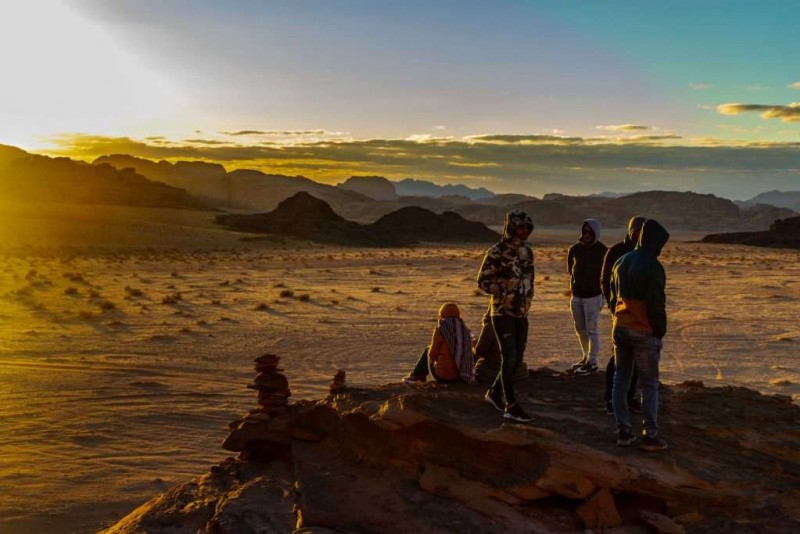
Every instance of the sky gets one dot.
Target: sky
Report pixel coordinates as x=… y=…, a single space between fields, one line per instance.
x=527 y=97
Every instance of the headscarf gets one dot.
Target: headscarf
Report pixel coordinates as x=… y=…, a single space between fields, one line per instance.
x=458 y=339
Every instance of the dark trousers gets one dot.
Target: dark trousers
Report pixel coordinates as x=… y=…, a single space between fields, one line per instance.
x=610 y=369
x=424 y=367
x=512 y=336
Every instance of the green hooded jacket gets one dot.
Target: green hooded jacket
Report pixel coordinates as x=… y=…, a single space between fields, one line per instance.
x=638 y=284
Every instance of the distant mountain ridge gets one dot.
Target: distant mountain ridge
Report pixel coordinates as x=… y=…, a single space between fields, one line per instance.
x=143 y=182
x=34 y=178
x=411 y=188
x=780 y=199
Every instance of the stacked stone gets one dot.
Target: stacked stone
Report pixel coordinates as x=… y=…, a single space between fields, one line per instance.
x=262 y=432
x=271 y=384
x=338 y=385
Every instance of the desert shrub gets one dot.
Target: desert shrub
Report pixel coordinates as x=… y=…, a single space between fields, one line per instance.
x=75 y=277
x=172 y=298
x=71 y=291
x=305 y=297
x=287 y=293
x=262 y=306
x=107 y=306
x=133 y=292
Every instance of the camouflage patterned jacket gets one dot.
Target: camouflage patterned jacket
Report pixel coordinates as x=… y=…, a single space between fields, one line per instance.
x=507 y=270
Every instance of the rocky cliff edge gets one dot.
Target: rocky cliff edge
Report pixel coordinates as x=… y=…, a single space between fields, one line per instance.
x=437 y=458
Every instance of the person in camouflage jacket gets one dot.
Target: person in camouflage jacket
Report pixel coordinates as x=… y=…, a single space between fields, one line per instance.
x=507 y=275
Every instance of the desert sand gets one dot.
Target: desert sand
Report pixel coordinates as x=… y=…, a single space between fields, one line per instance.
x=128 y=337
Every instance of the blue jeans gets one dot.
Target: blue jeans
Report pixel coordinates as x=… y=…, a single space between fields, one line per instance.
x=512 y=336
x=632 y=346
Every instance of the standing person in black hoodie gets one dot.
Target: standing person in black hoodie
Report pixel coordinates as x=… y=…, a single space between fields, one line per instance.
x=507 y=275
x=638 y=296
x=584 y=265
x=614 y=253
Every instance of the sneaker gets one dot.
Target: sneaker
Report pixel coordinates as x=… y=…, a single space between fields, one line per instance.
x=414 y=379
x=652 y=444
x=576 y=365
x=514 y=412
x=625 y=438
x=586 y=369
x=609 y=408
x=635 y=406
x=495 y=399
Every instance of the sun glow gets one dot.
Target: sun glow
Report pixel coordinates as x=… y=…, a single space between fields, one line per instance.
x=63 y=73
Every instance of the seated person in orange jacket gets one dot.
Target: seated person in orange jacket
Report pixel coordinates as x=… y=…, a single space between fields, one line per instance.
x=449 y=356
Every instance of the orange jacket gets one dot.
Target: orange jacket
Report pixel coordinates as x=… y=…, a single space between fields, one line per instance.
x=441 y=357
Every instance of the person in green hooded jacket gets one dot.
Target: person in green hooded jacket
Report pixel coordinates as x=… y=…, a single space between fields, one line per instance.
x=638 y=300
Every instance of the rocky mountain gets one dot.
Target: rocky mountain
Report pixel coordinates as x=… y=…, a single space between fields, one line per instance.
x=783 y=233
x=33 y=178
x=305 y=217
x=366 y=199
x=781 y=199
x=374 y=187
x=419 y=224
x=241 y=189
x=422 y=188
x=436 y=458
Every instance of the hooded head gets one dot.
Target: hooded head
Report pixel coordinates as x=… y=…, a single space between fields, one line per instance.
x=634 y=227
x=653 y=237
x=448 y=310
x=514 y=220
x=594 y=225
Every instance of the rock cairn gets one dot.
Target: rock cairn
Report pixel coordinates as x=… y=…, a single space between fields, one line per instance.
x=337 y=384
x=271 y=384
x=262 y=432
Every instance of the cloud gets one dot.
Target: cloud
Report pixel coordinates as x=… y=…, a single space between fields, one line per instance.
x=283 y=133
x=788 y=113
x=623 y=127
x=700 y=86
x=756 y=87
x=795 y=85
x=645 y=138
x=205 y=141
x=536 y=139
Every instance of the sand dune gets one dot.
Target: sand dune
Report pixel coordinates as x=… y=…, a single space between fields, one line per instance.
x=122 y=364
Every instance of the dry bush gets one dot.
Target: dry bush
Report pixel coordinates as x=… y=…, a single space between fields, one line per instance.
x=287 y=293
x=75 y=277
x=172 y=298
x=108 y=306
x=71 y=291
x=305 y=297
x=133 y=292
x=262 y=306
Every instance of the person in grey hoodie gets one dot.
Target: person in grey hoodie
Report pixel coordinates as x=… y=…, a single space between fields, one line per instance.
x=584 y=265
